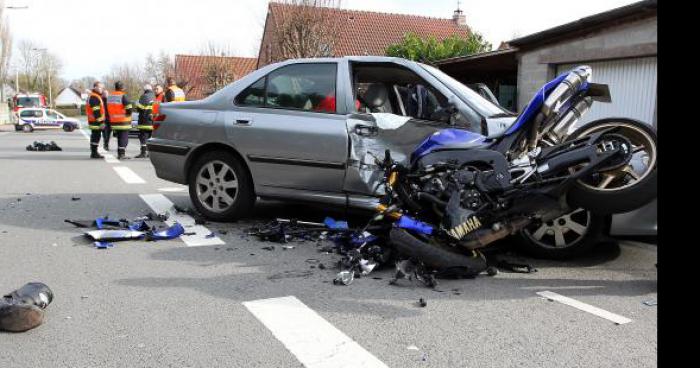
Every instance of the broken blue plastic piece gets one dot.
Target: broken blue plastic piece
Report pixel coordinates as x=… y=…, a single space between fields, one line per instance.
x=210 y=235
x=139 y=226
x=409 y=223
x=103 y=245
x=333 y=224
x=170 y=233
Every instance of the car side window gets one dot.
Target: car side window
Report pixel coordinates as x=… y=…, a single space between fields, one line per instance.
x=31 y=114
x=254 y=95
x=308 y=87
x=52 y=115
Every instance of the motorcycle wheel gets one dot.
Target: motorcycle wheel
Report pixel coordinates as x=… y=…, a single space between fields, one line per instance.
x=449 y=262
x=622 y=188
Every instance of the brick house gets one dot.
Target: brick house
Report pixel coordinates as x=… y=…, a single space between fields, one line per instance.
x=364 y=32
x=191 y=70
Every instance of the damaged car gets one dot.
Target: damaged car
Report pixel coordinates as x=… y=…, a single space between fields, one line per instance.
x=405 y=139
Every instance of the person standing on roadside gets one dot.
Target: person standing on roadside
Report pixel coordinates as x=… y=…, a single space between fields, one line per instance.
x=173 y=92
x=119 y=109
x=145 y=109
x=107 y=131
x=95 y=111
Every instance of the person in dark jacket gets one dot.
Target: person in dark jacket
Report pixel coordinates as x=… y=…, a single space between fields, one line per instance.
x=107 y=131
x=145 y=109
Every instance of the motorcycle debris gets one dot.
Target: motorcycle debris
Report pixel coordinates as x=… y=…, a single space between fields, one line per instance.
x=422 y=303
x=103 y=245
x=270 y=248
x=75 y=198
x=344 y=278
x=650 y=303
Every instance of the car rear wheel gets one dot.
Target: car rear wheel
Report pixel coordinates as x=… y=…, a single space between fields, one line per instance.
x=68 y=128
x=565 y=237
x=27 y=128
x=220 y=187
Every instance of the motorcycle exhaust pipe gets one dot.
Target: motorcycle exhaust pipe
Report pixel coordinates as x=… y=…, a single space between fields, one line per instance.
x=564 y=127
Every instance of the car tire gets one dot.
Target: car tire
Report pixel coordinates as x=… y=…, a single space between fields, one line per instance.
x=27 y=128
x=579 y=231
x=68 y=128
x=220 y=187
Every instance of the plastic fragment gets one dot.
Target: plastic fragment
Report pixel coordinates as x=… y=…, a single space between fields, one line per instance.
x=172 y=232
x=409 y=223
x=115 y=235
x=103 y=245
x=344 y=278
x=422 y=303
x=333 y=224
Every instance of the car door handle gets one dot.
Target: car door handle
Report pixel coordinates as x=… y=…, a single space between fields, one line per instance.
x=365 y=130
x=242 y=122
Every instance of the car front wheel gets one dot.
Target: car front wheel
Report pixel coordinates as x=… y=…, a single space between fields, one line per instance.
x=220 y=187
x=27 y=128
x=565 y=237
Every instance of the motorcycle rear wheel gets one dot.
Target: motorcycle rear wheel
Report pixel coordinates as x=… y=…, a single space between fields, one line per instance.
x=623 y=188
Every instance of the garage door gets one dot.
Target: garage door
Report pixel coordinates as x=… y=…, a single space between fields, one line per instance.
x=632 y=87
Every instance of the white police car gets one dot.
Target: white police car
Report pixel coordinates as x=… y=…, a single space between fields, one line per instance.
x=41 y=118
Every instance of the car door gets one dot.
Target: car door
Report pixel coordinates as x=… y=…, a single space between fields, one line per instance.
x=288 y=128
x=371 y=134
x=34 y=117
x=52 y=119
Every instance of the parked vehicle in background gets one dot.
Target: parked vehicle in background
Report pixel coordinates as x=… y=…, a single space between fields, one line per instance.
x=309 y=130
x=30 y=119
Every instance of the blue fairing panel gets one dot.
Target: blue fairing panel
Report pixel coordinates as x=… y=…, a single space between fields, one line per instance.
x=445 y=137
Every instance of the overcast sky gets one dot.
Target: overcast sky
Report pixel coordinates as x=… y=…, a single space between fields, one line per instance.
x=89 y=36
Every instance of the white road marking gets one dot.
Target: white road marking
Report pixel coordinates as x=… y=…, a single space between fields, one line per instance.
x=128 y=175
x=617 y=319
x=161 y=204
x=173 y=189
x=314 y=341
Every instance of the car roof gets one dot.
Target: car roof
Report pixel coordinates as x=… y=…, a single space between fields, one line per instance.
x=365 y=58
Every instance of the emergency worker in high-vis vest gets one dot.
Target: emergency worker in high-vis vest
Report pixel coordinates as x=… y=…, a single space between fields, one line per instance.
x=120 y=108
x=95 y=110
x=173 y=93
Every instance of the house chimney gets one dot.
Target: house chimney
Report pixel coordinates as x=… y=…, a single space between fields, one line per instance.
x=458 y=16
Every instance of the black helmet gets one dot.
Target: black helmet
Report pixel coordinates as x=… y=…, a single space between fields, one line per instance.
x=119 y=86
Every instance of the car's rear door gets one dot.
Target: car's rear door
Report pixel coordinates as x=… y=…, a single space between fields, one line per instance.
x=289 y=129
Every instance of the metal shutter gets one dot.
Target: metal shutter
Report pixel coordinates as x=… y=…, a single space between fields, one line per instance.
x=632 y=87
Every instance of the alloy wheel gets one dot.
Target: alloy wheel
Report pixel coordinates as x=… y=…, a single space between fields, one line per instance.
x=217 y=186
x=642 y=162
x=561 y=232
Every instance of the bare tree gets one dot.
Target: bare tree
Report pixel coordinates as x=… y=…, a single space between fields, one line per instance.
x=217 y=70
x=159 y=67
x=38 y=69
x=304 y=28
x=132 y=75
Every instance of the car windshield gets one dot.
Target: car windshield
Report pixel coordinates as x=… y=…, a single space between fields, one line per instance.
x=482 y=105
x=28 y=101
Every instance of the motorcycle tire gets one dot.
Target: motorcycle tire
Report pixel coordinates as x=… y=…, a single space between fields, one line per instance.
x=621 y=200
x=447 y=262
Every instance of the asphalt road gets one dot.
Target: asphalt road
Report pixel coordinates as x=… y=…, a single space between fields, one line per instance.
x=165 y=304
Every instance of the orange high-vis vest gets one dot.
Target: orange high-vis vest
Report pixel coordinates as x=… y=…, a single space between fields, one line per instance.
x=178 y=93
x=92 y=121
x=116 y=109
x=160 y=97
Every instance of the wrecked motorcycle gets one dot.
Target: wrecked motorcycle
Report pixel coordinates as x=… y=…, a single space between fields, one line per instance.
x=460 y=191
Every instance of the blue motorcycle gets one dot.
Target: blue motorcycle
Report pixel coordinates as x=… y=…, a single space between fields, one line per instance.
x=462 y=191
